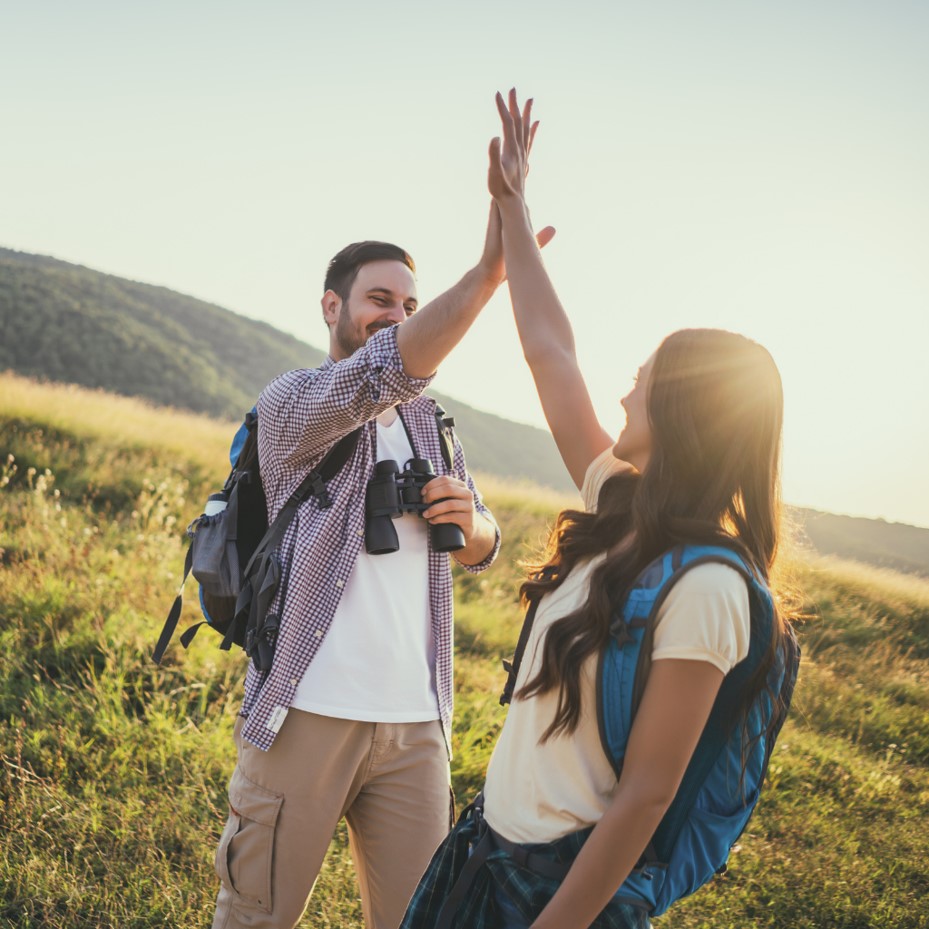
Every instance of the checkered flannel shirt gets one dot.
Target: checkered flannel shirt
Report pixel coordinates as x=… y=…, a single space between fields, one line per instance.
x=527 y=890
x=301 y=415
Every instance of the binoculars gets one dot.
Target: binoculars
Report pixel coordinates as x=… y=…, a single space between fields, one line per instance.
x=390 y=494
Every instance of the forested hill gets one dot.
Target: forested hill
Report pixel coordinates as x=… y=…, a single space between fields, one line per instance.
x=68 y=323
x=888 y=545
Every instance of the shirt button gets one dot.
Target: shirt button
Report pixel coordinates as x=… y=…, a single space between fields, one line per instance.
x=340 y=583
x=318 y=634
x=293 y=682
x=360 y=533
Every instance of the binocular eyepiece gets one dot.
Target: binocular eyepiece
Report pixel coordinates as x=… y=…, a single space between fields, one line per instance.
x=390 y=494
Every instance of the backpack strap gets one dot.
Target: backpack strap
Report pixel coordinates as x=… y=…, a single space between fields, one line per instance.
x=175 y=613
x=446 y=426
x=313 y=485
x=512 y=667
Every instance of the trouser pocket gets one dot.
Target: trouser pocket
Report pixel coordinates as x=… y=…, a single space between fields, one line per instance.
x=245 y=856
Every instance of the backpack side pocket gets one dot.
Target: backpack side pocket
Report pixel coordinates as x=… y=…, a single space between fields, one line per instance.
x=215 y=553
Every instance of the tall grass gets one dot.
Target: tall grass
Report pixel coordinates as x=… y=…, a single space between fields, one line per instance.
x=113 y=770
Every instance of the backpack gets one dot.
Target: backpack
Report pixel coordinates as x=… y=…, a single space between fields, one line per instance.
x=233 y=550
x=715 y=799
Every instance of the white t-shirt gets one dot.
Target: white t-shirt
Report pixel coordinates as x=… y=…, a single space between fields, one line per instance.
x=377 y=661
x=539 y=791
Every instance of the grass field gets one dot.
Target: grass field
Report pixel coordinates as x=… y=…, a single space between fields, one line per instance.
x=113 y=770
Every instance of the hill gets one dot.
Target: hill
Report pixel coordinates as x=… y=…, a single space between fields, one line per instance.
x=67 y=323
x=70 y=324
x=114 y=770
x=874 y=541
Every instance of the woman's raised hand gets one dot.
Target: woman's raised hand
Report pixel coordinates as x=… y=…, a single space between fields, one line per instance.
x=509 y=157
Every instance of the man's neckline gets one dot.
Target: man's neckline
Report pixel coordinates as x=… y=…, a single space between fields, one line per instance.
x=388 y=417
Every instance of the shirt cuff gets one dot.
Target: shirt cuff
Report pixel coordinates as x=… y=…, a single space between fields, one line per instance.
x=384 y=355
x=492 y=557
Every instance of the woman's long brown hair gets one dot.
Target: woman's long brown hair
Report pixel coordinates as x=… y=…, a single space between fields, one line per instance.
x=715 y=407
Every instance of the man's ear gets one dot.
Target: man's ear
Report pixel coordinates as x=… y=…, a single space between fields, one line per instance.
x=331 y=304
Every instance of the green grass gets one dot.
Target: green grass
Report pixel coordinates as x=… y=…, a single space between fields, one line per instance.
x=113 y=770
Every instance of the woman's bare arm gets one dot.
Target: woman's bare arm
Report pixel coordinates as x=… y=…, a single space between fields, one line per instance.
x=543 y=326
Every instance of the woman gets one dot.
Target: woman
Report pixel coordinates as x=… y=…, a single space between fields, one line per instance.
x=695 y=465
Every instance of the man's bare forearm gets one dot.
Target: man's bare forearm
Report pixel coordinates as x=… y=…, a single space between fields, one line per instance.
x=428 y=336
x=481 y=543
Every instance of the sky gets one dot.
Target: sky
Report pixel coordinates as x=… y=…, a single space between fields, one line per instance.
x=760 y=167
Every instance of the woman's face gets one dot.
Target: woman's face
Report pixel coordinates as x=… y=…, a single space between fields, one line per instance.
x=635 y=441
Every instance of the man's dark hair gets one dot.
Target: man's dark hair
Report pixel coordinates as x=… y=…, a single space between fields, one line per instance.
x=343 y=269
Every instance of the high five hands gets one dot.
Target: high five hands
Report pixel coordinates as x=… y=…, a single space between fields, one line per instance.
x=509 y=164
x=509 y=159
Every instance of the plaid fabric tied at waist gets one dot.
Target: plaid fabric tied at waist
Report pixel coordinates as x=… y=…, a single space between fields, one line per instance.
x=459 y=887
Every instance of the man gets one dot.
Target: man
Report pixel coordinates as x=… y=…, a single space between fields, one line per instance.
x=353 y=719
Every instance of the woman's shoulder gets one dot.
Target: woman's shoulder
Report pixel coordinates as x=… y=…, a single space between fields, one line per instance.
x=599 y=471
x=706 y=616
x=712 y=578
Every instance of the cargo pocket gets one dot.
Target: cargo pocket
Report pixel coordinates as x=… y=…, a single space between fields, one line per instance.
x=245 y=854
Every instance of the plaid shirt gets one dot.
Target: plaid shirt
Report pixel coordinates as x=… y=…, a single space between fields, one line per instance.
x=528 y=891
x=301 y=415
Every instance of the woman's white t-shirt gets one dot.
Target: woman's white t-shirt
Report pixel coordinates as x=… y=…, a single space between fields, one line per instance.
x=539 y=791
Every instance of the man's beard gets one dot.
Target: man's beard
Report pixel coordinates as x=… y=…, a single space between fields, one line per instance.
x=349 y=337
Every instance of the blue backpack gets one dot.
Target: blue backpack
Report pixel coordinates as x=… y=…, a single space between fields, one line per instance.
x=715 y=800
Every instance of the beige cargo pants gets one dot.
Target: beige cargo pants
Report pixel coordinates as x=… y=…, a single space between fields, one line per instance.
x=389 y=780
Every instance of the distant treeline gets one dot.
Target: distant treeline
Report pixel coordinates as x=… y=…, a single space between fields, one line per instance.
x=873 y=541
